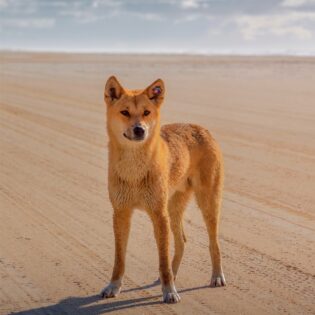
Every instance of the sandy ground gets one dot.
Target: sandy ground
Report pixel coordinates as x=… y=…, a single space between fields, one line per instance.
x=56 y=239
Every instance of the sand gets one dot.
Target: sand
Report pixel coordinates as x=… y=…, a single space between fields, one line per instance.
x=56 y=250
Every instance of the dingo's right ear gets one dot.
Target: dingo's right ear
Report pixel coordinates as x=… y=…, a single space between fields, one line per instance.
x=113 y=91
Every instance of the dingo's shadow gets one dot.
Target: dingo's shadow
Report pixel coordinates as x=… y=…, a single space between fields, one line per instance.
x=81 y=305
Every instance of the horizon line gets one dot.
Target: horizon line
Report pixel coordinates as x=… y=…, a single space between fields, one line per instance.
x=162 y=52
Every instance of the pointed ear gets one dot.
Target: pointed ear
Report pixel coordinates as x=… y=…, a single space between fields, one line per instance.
x=113 y=91
x=156 y=92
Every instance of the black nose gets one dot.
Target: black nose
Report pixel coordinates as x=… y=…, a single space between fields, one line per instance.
x=138 y=131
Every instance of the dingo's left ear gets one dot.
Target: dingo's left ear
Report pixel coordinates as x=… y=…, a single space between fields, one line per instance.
x=156 y=92
x=113 y=90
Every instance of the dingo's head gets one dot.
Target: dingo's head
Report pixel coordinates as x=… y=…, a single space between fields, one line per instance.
x=133 y=116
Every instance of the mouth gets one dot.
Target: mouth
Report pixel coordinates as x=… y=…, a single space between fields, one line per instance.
x=134 y=139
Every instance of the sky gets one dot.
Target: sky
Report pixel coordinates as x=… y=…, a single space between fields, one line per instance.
x=160 y=26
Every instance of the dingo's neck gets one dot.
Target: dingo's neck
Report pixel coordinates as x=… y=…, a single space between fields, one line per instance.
x=131 y=163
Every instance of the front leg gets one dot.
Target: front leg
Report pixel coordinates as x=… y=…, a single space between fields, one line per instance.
x=121 y=221
x=161 y=226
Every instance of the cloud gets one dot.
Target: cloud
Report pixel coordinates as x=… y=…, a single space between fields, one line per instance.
x=18 y=7
x=147 y=16
x=58 y=4
x=193 y=17
x=290 y=23
x=108 y=3
x=81 y=16
x=27 y=23
x=188 y=18
x=150 y=16
x=90 y=15
x=190 y=4
x=4 y=3
x=296 y=3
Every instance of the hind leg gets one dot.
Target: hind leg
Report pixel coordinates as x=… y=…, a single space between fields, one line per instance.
x=208 y=194
x=176 y=209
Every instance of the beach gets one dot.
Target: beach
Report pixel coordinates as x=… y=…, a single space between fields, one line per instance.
x=57 y=242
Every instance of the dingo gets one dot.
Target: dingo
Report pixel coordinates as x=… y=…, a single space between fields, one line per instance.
x=157 y=169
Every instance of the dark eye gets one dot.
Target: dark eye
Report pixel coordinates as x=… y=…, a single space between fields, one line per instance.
x=125 y=113
x=146 y=113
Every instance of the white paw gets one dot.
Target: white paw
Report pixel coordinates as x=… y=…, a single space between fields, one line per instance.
x=170 y=295
x=112 y=290
x=218 y=280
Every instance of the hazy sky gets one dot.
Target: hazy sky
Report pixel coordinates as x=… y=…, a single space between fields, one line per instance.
x=197 y=26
